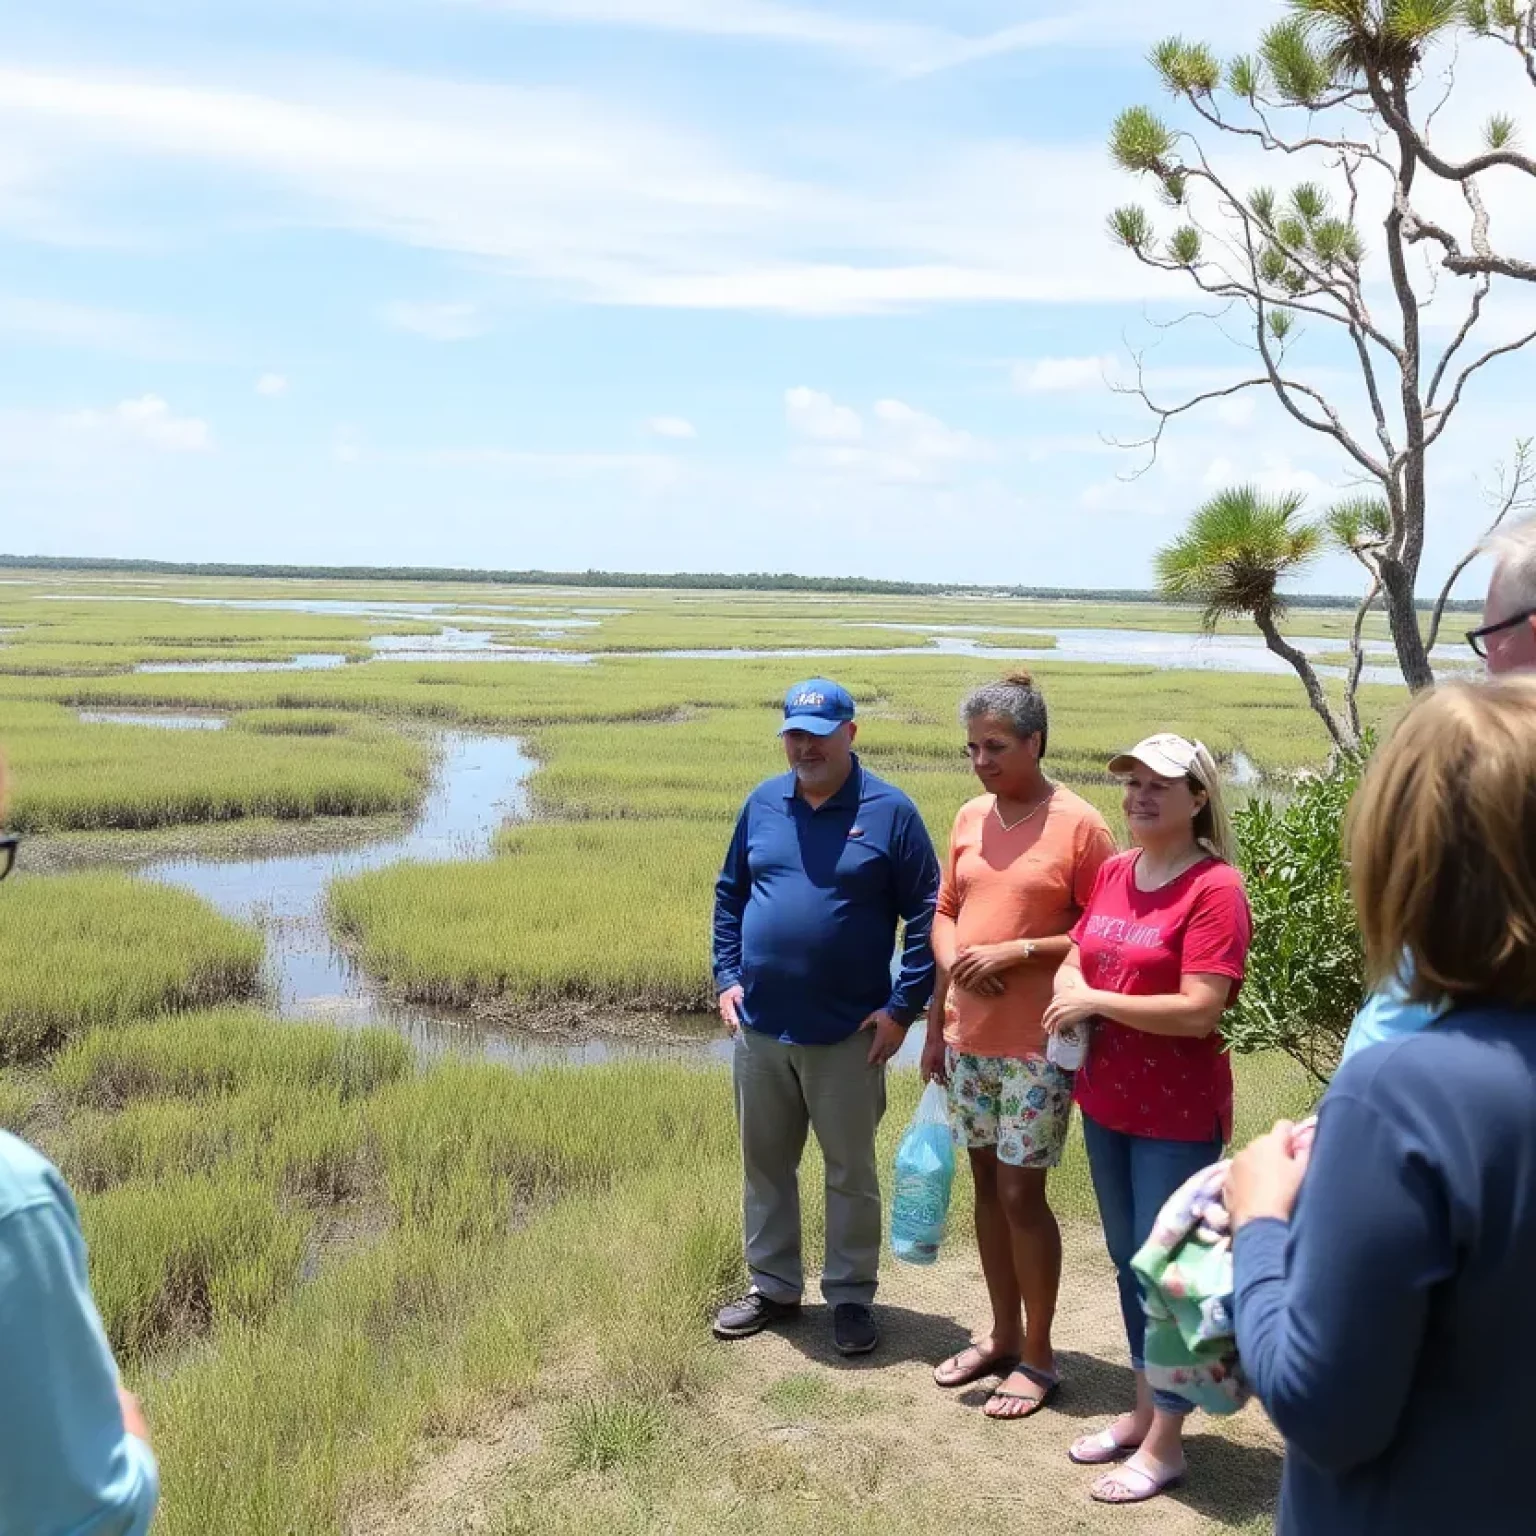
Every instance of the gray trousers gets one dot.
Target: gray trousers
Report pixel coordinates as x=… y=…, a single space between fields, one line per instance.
x=782 y=1091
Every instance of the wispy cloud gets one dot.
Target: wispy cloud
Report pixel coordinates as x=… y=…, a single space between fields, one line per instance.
x=438 y=322
x=96 y=443
x=85 y=326
x=903 y=47
x=271 y=385
x=894 y=443
x=895 y=44
x=1064 y=375
x=678 y=428
x=602 y=205
x=148 y=420
x=818 y=417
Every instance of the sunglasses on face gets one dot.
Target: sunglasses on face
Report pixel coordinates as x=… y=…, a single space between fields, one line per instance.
x=1478 y=638
x=9 y=843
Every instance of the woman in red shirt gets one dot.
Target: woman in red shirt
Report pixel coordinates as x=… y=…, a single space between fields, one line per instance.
x=1157 y=957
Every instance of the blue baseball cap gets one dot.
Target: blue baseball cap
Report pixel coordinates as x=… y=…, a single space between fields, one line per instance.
x=817 y=705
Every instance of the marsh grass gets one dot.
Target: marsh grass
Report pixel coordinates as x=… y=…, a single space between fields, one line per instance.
x=722 y=628
x=610 y=912
x=317 y=1256
x=548 y=1243
x=69 y=775
x=78 y=950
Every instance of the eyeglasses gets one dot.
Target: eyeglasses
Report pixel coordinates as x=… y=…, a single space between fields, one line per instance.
x=9 y=843
x=1478 y=638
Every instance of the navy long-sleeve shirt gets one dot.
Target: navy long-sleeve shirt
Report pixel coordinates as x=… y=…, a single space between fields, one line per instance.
x=1390 y=1327
x=807 y=904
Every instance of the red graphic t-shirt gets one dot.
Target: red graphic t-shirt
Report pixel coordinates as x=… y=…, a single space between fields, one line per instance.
x=1142 y=944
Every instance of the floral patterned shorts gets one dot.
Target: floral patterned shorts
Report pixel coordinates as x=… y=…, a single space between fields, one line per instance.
x=1021 y=1106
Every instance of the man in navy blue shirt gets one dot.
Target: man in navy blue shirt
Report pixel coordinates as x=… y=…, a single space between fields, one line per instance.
x=825 y=860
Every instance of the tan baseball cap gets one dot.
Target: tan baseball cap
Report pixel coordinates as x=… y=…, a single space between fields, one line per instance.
x=1168 y=755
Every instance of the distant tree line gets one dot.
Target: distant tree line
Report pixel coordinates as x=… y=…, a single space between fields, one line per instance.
x=681 y=581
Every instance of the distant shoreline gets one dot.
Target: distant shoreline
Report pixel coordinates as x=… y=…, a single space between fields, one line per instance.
x=674 y=581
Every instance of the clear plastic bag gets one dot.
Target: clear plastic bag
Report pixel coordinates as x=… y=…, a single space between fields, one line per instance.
x=1067 y=1047
x=925 y=1176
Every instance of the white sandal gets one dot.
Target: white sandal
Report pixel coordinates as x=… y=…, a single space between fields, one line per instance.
x=1147 y=1486
x=1100 y=1449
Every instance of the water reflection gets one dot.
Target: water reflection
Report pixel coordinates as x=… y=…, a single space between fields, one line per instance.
x=161 y=721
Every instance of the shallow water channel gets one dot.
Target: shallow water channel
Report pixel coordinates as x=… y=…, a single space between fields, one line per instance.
x=1124 y=647
x=478 y=786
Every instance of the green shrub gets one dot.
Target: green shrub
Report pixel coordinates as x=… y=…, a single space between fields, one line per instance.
x=1306 y=973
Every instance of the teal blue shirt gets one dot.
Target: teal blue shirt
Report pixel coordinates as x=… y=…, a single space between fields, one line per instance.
x=1388 y=1014
x=67 y=1465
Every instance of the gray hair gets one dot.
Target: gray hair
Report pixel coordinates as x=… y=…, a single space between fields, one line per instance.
x=1514 y=553
x=1015 y=700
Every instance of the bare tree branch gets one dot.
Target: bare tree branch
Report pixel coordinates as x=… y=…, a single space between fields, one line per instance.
x=1443 y=417
x=1517 y=492
x=1394 y=113
x=1357 y=648
x=1474 y=313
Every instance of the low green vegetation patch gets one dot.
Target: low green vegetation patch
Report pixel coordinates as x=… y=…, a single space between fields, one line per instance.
x=73 y=775
x=606 y=912
x=77 y=950
x=726 y=626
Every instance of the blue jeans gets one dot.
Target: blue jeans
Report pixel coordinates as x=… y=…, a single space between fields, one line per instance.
x=1133 y=1176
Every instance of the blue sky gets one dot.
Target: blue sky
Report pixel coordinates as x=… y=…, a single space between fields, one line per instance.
x=639 y=284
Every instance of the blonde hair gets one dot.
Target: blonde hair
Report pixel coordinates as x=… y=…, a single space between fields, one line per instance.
x=1213 y=827
x=1442 y=846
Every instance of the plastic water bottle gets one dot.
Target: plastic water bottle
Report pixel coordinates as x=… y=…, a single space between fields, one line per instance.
x=925 y=1176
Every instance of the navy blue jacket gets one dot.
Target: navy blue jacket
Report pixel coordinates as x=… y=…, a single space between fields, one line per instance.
x=807 y=904
x=1390 y=1327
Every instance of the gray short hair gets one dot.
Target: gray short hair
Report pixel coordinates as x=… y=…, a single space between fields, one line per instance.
x=1514 y=553
x=1016 y=701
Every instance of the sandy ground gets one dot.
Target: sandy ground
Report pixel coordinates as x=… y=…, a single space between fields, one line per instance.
x=792 y=1424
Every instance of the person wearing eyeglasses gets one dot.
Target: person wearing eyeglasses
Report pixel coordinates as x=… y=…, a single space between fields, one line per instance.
x=1382 y=1275
x=1506 y=639
x=74 y=1448
x=1506 y=643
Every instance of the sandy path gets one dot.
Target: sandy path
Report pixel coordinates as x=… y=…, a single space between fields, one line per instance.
x=792 y=1430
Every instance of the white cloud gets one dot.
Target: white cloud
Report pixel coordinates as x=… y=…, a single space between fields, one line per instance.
x=925 y=439
x=895 y=444
x=84 y=326
x=1273 y=473
x=892 y=43
x=1063 y=375
x=97 y=448
x=678 y=427
x=272 y=385
x=814 y=415
x=437 y=322
x=593 y=202
x=147 y=420
x=908 y=48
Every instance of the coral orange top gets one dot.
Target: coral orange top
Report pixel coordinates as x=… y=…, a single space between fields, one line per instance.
x=1029 y=883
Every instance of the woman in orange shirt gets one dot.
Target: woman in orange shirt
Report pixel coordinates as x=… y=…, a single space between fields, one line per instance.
x=1022 y=861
